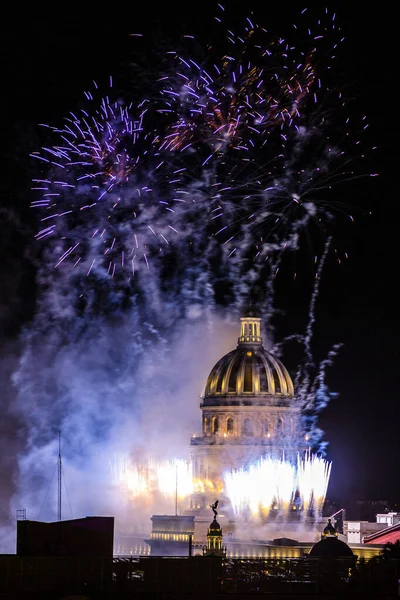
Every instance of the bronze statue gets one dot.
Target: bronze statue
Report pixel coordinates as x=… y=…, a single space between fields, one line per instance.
x=214 y=507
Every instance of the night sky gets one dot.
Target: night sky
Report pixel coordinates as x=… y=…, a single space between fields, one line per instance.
x=47 y=62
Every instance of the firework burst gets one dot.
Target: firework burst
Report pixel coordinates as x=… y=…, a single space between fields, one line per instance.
x=105 y=199
x=237 y=143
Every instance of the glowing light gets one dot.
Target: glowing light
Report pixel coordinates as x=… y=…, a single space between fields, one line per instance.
x=273 y=483
x=174 y=476
x=144 y=480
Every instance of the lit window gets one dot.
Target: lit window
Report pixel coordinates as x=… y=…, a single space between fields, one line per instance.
x=215 y=425
x=229 y=425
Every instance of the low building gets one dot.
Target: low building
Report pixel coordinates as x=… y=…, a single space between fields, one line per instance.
x=60 y=559
x=87 y=537
x=388 y=535
x=390 y=518
x=356 y=532
x=171 y=535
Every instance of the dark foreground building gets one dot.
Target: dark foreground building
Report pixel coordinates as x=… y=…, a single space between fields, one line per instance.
x=40 y=571
x=60 y=559
x=89 y=537
x=195 y=578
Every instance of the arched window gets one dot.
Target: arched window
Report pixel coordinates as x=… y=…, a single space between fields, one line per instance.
x=215 y=425
x=247 y=426
x=229 y=425
x=206 y=426
x=265 y=427
x=279 y=426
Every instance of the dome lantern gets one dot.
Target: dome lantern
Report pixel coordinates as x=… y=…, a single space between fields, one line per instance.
x=250 y=331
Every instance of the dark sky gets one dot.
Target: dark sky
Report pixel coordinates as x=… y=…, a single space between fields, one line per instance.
x=47 y=62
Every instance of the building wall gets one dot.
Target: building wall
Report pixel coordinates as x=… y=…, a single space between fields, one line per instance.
x=264 y=420
x=244 y=434
x=389 y=519
x=91 y=537
x=356 y=530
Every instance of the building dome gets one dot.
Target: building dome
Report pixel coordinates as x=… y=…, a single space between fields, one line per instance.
x=250 y=370
x=331 y=547
x=214 y=528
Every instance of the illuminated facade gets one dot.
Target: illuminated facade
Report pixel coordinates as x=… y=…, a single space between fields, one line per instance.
x=171 y=535
x=248 y=411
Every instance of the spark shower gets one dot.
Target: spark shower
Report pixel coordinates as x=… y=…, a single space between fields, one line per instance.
x=267 y=484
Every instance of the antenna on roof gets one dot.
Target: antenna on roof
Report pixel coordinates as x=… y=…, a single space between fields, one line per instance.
x=59 y=477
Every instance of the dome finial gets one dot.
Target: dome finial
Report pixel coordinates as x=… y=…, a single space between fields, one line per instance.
x=329 y=530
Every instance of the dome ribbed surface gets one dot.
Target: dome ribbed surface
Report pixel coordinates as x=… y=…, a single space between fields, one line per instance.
x=249 y=371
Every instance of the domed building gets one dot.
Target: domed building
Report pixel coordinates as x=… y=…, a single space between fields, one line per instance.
x=330 y=546
x=249 y=410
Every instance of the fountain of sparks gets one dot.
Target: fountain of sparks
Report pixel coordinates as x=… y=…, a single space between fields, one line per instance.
x=277 y=484
x=143 y=481
x=270 y=484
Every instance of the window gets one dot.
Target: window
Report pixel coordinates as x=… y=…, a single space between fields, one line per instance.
x=265 y=427
x=215 y=425
x=247 y=427
x=229 y=426
x=279 y=426
x=206 y=426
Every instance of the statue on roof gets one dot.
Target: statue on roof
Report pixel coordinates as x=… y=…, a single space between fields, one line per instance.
x=214 y=508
